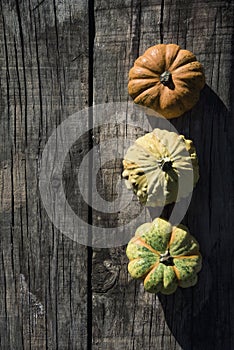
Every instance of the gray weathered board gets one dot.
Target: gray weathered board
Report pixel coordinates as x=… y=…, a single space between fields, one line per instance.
x=57 y=57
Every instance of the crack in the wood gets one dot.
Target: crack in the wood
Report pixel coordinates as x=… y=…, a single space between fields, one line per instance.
x=150 y=325
x=19 y=84
x=38 y=5
x=91 y=26
x=24 y=68
x=7 y=66
x=161 y=22
x=138 y=28
x=13 y=210
x=56 y=26
x=40 y=90
x=135 y=44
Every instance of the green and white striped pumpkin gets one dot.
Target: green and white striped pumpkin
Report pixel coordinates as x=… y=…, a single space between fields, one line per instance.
x=161 y=167
x=164 y=256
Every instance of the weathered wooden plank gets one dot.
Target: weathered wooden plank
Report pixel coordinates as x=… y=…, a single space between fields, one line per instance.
x=207 y=316
x=124 y=316
x=44 y=79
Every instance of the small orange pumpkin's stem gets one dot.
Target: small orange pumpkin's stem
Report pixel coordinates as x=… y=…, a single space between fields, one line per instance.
x=165 y=78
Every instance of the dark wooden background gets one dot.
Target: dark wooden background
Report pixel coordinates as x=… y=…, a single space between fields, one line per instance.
x=57 y=57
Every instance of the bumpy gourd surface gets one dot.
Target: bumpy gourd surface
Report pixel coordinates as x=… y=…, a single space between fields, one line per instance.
x=161 y=167
x=164 y=256
x=166 y=79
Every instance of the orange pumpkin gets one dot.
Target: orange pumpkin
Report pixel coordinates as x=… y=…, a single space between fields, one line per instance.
x=166 y=79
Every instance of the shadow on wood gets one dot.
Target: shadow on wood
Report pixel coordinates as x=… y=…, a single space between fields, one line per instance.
x=202 y=317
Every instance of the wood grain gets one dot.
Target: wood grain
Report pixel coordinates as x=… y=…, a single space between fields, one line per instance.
x=124 y=316
x=57 y=57
x=44 y=79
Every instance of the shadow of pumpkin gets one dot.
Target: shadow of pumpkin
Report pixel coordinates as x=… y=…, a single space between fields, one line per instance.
x=202 y=317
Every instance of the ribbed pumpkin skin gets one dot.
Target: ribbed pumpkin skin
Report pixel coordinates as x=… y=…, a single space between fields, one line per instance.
x=182 y=90
x=154 y=184
x=164 y=256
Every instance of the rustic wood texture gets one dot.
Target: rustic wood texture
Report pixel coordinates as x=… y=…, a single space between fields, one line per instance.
x=124 y=316
x=44 y=79
x=57 y=57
